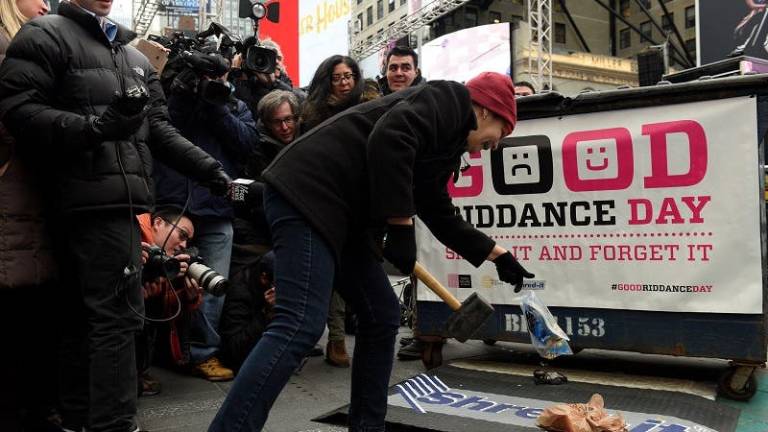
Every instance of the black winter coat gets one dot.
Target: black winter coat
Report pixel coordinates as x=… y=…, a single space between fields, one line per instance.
x=59 y=70
x=391 y=157
x=226 y=132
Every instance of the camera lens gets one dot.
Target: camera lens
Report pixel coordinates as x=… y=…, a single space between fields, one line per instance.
x=208 y=279
x=260 y=59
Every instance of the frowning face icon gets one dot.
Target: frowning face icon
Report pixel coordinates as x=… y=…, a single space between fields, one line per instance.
x=522 y=165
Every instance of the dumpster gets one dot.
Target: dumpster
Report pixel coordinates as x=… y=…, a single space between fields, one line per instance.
x=642 y=213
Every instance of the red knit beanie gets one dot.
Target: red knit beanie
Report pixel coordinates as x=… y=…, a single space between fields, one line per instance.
x=496 y=92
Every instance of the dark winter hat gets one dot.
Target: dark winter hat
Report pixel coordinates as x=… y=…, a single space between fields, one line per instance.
x=495 y=92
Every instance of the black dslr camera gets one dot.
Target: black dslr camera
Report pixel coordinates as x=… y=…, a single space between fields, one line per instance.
x=208 y=279
x=159 y=265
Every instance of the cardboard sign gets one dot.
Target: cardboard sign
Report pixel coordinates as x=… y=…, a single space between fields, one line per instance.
x=156 y=54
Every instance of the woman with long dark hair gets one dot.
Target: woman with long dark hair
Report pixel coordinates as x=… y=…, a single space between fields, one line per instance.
x=336 y=86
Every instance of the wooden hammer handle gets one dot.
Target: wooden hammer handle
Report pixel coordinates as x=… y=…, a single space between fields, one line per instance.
x=436 y=287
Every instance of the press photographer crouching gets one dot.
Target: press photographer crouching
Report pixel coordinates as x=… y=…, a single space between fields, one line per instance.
x=164 y=235
x=202 y=107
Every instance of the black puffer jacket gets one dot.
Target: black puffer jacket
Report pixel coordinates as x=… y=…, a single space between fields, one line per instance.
x=61 y=68
x=391 y=157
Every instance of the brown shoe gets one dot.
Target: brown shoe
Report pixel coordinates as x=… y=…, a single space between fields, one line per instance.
x=336 y=354
x=213 y=370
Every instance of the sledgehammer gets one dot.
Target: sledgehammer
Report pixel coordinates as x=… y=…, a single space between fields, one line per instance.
x=468 y=317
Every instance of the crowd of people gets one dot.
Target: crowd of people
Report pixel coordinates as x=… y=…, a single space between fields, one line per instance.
x=115 y=191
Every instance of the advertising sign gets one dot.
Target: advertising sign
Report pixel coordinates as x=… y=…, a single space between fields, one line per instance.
x=652 y=208
x=726 y=27
x=323 y=28
x=461 y=55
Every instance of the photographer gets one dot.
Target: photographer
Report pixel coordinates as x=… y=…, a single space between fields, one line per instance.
x=168 y=231
x=202 y=107
x=247 y=310
x=88 y=114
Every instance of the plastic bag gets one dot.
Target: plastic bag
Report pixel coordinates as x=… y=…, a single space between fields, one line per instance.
x=547 y=337
x=588 y=417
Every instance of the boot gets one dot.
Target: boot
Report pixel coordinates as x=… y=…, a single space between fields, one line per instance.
x=336 y=354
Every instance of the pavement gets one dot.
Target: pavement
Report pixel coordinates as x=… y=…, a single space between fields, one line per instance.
x=189 y=404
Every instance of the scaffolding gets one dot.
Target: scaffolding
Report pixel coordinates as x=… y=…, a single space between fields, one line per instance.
x=540 y=32
x=144 y=14
x=360 y=49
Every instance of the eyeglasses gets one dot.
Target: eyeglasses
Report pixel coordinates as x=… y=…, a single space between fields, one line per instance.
x=289 y=121
x=183 y=234
x=337 y=79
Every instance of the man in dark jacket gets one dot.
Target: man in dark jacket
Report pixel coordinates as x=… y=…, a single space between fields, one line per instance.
x=225 y=129
x=374 y=166
x=88 y=112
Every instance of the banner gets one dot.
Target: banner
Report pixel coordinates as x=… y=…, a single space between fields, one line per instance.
x=323 y=28
x=654 y=208
x=727 y=26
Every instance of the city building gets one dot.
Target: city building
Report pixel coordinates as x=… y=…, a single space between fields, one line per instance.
x=591 y=48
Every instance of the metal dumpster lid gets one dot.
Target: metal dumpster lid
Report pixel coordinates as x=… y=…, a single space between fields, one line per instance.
x=553 y=104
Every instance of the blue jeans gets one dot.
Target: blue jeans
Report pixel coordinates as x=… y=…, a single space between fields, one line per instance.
x=305 y=267
x=213 y=237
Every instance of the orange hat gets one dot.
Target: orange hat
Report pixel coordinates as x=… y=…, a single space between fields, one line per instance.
x=496 y=92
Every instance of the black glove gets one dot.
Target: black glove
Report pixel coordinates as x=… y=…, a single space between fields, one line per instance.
x=511 y=271
x=400 y=247
x=218 y=183
x=122 y=118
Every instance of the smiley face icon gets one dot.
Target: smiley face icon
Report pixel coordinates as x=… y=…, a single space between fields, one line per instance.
x=598 y=160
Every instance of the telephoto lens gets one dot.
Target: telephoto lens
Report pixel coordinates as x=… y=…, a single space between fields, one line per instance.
x=208 y=279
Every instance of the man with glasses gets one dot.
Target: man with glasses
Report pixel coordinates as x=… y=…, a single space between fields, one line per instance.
x=402 y=70
x=168 y=229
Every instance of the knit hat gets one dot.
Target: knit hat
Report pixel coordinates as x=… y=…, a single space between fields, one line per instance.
x=495 y=92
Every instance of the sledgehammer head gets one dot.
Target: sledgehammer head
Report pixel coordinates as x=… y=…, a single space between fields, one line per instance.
x=468 y=319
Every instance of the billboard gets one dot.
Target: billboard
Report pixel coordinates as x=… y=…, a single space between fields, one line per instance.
x=653 y=208
x=728 y=27
x=323 y=32
x=461 y=55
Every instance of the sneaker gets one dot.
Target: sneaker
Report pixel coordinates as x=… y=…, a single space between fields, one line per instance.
x=406 y=341
x=213 y=370
x=148 y=385
x=412 y=351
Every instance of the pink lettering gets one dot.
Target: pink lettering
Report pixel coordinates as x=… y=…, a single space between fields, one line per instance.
x=697 y=150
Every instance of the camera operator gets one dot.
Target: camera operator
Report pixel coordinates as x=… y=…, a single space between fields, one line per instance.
x=202 y=107
x=168 y=231
x=88 y=113
x=251 y=86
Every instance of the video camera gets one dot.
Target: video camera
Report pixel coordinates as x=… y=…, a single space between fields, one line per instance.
x=257 y=58
x=159 y=264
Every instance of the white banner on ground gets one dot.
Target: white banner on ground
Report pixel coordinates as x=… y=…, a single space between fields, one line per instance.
x=646 y=209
